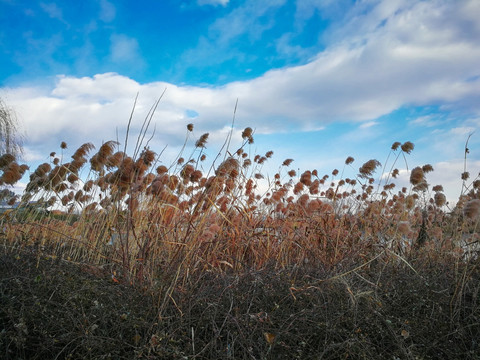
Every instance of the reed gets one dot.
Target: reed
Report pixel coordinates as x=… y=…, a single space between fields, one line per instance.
x=180 y=220
x=165 y=227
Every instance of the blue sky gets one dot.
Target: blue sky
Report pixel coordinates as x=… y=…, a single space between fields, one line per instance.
x=317 y=80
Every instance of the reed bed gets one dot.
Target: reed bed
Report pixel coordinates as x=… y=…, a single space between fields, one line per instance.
x=231 y=262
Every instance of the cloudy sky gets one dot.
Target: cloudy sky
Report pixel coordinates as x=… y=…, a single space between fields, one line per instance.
x=318 y=80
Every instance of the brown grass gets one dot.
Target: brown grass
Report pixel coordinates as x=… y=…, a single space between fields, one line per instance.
x=307 y=266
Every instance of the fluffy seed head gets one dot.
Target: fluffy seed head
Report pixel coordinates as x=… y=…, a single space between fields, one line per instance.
x=437 y=188
x=88 y=185
x=410 y=202
x=187 y=171
x=228 y=168
x=115 y=160
x=423 y=186
x=298 y=188
x=196 y=176
x=42 y=169
x=404 y=227
x=349 y=160
x=95 y=163
x=12 y=174
x=82 y=151
x=407 y=147
x=395 y=145
x=417 y=176
x=472 y=209
x=12 y=200
x=71 y=178
x=6 y=159
x=440 y=199
x=247 y=133
x=106 y=150
x=427 y=168
x=306 y=178
x=389 y=186
x=303 y=200
x=162 y=169
x=148 y=156
x=287 y=162
x=368 y=168
x=202 y=141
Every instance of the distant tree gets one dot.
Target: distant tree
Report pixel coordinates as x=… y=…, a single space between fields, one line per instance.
x=10 y=138
x=11 y=148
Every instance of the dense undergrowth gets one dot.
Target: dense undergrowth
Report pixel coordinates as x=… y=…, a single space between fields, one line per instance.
x=117 y=256
x=55 y=309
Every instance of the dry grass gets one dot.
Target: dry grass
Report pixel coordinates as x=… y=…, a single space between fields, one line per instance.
x=209 y=266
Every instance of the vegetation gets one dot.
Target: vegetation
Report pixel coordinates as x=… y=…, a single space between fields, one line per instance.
x=139 y=260
x=10 y=139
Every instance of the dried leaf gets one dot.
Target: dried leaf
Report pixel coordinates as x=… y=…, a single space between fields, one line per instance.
x=269 y=337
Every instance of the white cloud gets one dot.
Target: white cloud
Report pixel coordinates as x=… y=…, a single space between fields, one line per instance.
x=52 y=10
x=450 y=142
x=448 y=174
x=250 y=19
x=107 y=11
x=445 y=173
x=399 y=54
x=213 y=2
x=245 y=20
x=427 y=120
x=395 y=54
x=368 y=124
x=104 y=87
x=125 y=49
x=30 y=155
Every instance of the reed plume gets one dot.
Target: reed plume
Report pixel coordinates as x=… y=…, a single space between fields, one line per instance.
x=417 y=176
x=202 y=141
x=440 y=199
x=395 y=145
x=6 y=159
x=472 y=209
x=407 y=147
x=368 y=168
